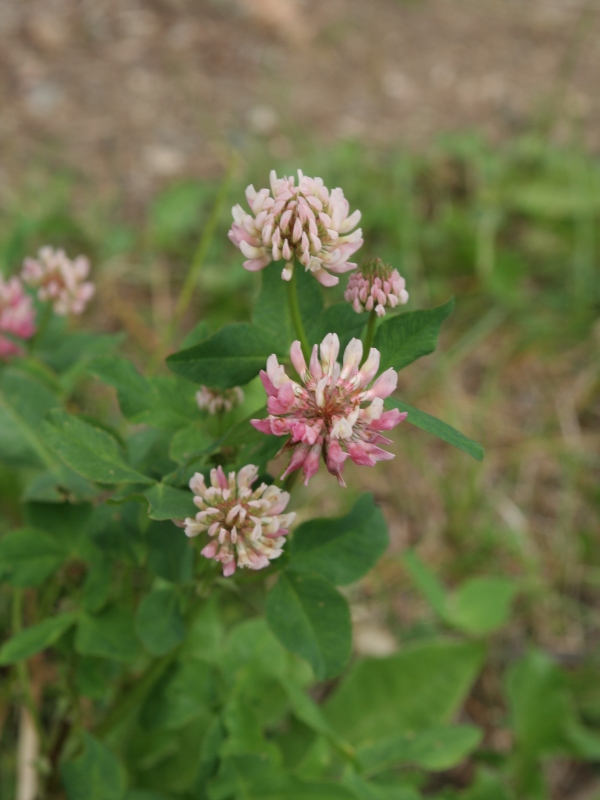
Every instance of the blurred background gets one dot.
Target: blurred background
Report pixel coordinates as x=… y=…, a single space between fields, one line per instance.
x=467 y=132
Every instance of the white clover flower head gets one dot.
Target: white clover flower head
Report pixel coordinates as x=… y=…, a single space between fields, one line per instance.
x=17 y=317
x=376 y=286
x=246 y=527
x=59 y=280
x=332 y=412
x=219 y=401
x=306 y=221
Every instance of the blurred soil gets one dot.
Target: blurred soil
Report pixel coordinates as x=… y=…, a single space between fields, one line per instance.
x=133 y=92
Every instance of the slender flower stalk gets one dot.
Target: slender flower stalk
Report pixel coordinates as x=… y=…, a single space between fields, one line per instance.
x=59 y=280
x=375 y=287
x=306 y=221
x=332 y=412
x=17 y=317
x=246 y=527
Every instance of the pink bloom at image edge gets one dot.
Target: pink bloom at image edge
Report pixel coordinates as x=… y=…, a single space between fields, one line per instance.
x=306 y=221
x=59 y=280
x=246 y=527
x=327 y=415
x=17 y=316
x=374 y=287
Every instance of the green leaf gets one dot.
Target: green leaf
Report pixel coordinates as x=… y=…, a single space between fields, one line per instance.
x=163 y=401
x=158 y=621
x=312 y=620
x=421 y=687
x=109 y=634
x=184 y=693
x=343 y=319
x=94 y=775
x=481 y=605
x=427 y=582
x=403 y=338
x=170 y=552
x=434 y=749
x=35 y=638
x=97 y=586
x=341 y=549
x=29 y=556
x=256 y=777
x=166 y=502
x=198 y=334
x=24 y=402
x=367 y=790
x=133 y=390
x=188 y=442
x=420 y=419
x=231 y=357
x=88 y=450
x=271 y=311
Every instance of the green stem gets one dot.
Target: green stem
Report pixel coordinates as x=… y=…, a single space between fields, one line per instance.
x=294 y=307
x=369 y=335
x=21 y=667
x=45 y=318
x=133 y=696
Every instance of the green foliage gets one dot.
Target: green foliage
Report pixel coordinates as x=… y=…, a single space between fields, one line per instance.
x=199 y=687
x=312 y=620
x=38 y=637
x=404 y=338
x=89 y=450
x=341 y=550
x=479 y=607
x=94 y=775
x=442 y=430
x=28 y=557
x=231 y=357
x=158 y=621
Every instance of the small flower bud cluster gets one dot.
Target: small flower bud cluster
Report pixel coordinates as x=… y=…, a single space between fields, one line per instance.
x=306 y=221
x=247 y=527
x=217 y=401
x=333 y=413
x=59 y=280
x=17 y=317
x=375 y=286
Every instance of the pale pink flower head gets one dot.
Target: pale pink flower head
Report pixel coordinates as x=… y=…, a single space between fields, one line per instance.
x=246 y=527
x=332 y=412
x=219 y=401
x=306 y=221
x=17 y=316
x=59 y=280
x=375 y=286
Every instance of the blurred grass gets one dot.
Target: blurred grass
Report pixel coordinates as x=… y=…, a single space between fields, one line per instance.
x=511 y=230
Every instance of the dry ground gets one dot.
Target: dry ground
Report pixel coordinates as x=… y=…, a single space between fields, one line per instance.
x=135 y=92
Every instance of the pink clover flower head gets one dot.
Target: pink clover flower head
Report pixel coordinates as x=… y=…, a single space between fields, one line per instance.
x=60 y=280
x=306 y=221
x=331 y=413
x=17 y=317
x=218 y=401
x=375 y=286
x=246 y=527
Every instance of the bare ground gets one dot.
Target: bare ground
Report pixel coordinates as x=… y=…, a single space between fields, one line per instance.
x=133 y=92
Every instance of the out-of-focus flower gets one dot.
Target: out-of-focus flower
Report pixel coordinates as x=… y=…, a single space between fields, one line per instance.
x=217 y=401
x=375 y=286
x=306 y=221
x=247 y=527
x=333 y=412
x=59 y=280
x=17 y=316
